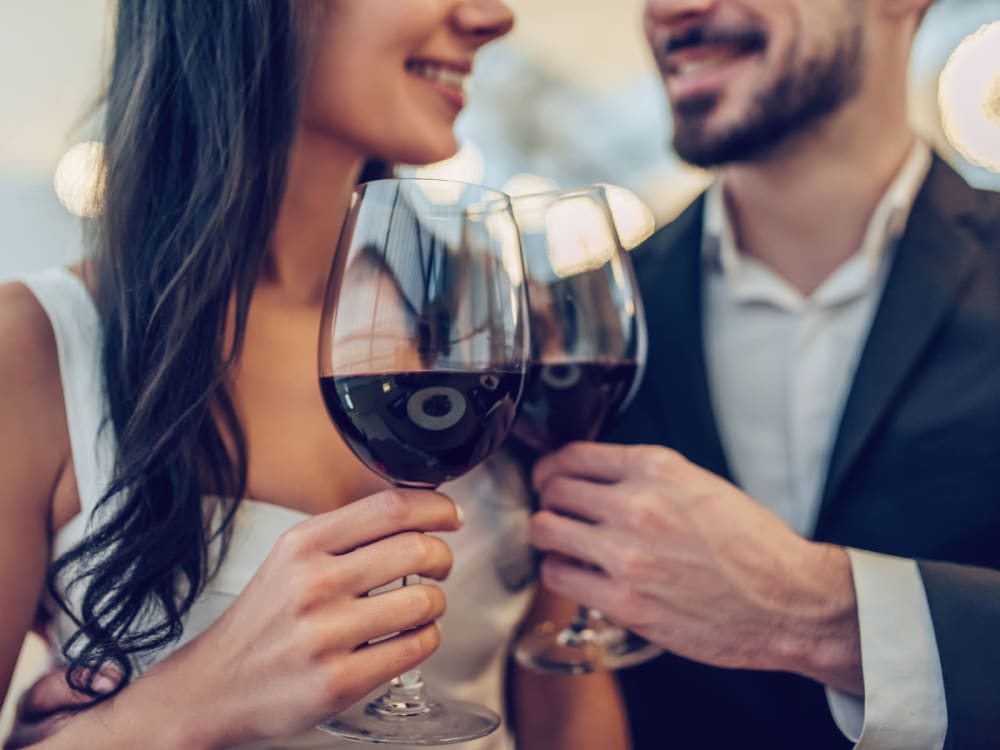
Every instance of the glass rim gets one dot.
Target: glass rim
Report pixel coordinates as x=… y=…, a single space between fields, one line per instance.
x=595 y=189
x=488 y=193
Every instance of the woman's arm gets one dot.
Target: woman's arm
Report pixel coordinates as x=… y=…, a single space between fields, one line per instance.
x=286 y=655
x=34 y=448
x=583 y=712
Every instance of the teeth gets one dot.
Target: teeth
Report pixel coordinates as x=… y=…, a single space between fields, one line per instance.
x=699 y=66
x=440 y=74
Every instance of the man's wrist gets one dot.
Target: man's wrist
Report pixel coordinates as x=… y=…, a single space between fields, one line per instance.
x=820 y=637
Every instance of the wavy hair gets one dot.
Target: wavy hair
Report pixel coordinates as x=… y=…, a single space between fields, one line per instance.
x=201 y=111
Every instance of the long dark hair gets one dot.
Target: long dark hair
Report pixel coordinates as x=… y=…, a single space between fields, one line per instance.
x=201 y=112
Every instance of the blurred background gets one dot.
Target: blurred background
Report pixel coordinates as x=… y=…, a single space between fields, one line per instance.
x=571 y=97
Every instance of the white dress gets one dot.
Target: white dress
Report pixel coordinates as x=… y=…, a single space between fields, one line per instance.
x=488 y=590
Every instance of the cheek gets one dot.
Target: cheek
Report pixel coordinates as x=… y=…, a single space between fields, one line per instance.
x=341 y=101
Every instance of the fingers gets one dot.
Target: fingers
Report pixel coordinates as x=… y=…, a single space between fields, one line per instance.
x=52 y=693
x=399 y=610
x=595 y=461
x=577 y=539
x=49 y=704
x=389 y=658
x=375 y=517
x=581 y=499
x=590 y=588
x=600 y=462
x=384 y=561
x=24 y=734
x=608 y=463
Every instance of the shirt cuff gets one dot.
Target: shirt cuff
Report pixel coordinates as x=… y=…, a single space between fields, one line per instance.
x=904 y=704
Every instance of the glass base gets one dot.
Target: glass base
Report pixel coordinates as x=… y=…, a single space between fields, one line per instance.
x=424 y=723
x=601 y=646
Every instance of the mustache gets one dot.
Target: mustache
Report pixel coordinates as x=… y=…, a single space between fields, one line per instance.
x=746 y=39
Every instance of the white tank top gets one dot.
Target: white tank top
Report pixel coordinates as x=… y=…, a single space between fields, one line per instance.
x=488 y=591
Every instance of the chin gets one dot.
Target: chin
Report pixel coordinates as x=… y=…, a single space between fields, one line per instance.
x=425 y=150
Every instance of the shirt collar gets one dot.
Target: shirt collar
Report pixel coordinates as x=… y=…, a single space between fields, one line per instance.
x=749 y=280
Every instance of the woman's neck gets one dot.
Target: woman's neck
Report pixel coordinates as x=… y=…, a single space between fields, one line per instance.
x=321 y=176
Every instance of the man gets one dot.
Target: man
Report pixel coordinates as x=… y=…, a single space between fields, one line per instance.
x=825 y=332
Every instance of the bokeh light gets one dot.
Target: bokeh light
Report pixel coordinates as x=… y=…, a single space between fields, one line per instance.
x=579 y=235
x=633 y=218
x=969 y=97
x=77 y=178
x=526 y=183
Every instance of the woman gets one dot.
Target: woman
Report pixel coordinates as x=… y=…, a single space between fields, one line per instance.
x=173 y=373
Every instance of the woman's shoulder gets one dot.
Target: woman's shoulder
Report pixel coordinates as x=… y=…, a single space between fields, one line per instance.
x=27 y=341
x=37 y=307
x=34 y=441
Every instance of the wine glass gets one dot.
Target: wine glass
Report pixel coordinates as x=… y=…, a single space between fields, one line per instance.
x=422 y=356
x=588 y=352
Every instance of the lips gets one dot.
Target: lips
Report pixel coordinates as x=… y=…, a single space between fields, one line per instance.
x=447 y=73
x=700 y=50
x=700 y=59
x=449 y=79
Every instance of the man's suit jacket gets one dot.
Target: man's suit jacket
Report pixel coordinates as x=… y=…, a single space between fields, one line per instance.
x=915 y=469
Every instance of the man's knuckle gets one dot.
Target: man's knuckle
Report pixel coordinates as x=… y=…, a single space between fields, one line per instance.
x=642 y=512
x=556 y=488
x=574 y=453
x=634 y=564
x=660 y=461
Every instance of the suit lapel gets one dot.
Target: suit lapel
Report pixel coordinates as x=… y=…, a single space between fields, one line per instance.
x=676 y=382
x=935 y=256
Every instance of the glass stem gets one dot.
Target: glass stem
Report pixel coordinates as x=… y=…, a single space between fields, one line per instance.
x=405 y=696
x=407 y=688
x=582 y=620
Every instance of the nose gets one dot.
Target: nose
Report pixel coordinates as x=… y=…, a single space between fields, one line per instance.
x=674 y=12
x=483 y=20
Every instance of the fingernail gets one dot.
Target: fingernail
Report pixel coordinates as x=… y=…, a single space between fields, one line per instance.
x=104 y=684
x=460 y=514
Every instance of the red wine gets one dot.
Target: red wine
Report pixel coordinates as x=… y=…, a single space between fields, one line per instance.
x=570 y=401
x=422 y=429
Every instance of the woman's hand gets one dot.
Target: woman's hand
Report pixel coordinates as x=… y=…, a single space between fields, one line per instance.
x=291 y=650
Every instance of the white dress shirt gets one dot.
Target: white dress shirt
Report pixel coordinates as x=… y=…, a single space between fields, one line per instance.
x=780 y=367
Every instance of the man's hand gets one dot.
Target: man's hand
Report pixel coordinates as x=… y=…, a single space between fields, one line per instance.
x=689 y=562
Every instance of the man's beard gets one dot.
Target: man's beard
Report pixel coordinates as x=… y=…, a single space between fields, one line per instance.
x=798 y=100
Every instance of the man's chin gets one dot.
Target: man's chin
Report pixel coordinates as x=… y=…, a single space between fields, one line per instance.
x=699 y=138
x=695 y=109
x=695 y=144
x=700 y=143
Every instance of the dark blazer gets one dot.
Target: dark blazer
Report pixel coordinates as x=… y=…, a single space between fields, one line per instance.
x=915 y=469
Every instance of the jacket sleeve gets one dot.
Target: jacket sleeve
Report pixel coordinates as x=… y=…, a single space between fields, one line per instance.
x=965 y=609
